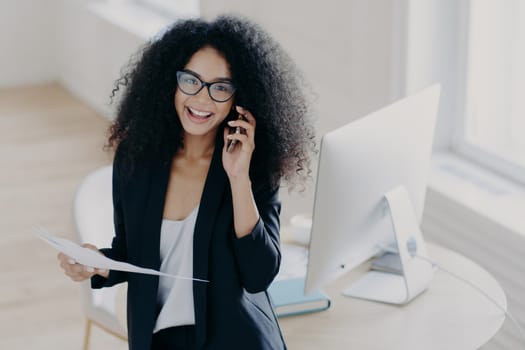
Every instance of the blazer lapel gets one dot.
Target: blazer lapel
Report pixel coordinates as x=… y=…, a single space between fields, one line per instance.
x=148 y=194
x=211 y=200
x=152 y=215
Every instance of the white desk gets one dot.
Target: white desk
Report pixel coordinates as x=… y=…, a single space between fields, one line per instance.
x=449 y=315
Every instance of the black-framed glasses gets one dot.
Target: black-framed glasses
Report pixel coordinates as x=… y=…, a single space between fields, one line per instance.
x=190 y=84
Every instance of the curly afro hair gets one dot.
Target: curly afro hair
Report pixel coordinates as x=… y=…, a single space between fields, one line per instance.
x=268 y=84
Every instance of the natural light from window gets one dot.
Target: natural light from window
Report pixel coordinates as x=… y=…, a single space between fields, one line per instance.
x=174 y=8
x=495 y=85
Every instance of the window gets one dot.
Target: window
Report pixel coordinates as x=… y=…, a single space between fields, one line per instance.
x=494 y=126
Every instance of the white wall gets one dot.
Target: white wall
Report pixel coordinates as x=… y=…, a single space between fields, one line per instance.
x=28 y=49
x=91 y=53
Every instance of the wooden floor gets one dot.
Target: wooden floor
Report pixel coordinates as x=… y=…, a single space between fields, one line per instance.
x=49 y=141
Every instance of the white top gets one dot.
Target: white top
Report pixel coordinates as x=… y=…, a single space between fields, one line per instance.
x=176 y=254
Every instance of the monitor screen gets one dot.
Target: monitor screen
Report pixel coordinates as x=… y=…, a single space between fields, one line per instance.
x=358 y=164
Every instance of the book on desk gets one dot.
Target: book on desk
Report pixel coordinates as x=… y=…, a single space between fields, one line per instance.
x=288 y=298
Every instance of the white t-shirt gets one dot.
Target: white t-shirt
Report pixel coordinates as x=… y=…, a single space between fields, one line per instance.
x=176 y=254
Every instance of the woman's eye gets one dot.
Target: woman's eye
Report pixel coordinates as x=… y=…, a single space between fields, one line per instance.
x=222 y=87
x=192 y=81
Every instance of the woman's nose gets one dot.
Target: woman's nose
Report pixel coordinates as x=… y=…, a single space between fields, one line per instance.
x=204 y=94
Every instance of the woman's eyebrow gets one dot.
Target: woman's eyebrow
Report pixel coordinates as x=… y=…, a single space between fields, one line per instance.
x=200 y=77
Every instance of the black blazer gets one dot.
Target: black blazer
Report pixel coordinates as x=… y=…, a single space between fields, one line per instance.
x=233 y=310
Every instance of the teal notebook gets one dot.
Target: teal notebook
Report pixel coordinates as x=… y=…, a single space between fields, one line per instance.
x=288 y=298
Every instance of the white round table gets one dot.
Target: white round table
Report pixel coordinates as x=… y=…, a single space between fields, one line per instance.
x=448 y=315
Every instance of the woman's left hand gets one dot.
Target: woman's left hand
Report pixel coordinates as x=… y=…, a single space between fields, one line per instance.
x=237 y=162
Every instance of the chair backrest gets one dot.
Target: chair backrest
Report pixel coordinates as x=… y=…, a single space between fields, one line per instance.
x=93 y=218
x=93 y=208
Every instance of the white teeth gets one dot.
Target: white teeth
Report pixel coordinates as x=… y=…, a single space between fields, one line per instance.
x=199 y=113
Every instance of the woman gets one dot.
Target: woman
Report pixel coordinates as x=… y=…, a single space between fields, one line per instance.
x=212 y=119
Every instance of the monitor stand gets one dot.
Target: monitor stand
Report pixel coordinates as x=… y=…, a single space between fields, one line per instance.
x=416 y=274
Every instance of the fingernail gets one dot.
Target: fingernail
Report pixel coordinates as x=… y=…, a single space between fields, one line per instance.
x=230 y=122
x=71 y=261
x=90 y=269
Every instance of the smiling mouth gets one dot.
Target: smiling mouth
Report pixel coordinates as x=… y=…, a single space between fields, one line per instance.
x=195 y=113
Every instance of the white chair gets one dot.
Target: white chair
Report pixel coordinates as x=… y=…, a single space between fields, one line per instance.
x=93 y=217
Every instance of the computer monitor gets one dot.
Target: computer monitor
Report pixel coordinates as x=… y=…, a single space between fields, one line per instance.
x=359 y=164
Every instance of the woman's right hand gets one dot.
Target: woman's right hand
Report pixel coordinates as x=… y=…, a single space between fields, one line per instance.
x=78 y=272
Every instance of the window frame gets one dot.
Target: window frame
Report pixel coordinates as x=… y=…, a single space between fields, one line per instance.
x=460 y=144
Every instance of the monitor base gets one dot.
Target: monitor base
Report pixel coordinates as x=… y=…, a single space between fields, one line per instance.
x=416 y=274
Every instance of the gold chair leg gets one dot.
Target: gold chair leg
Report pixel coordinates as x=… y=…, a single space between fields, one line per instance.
x=87 y=335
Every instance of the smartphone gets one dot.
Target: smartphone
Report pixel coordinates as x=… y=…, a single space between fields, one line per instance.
x=236 y=130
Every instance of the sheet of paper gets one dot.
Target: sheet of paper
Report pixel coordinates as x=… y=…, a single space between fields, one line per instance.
x=294 y=259
x=88 y=257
